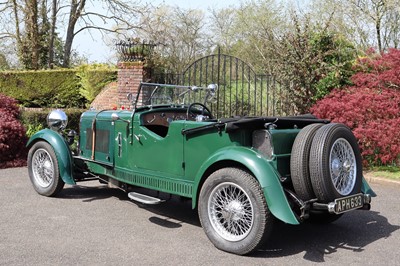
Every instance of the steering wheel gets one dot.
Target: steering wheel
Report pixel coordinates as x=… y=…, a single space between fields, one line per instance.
x=205 y=110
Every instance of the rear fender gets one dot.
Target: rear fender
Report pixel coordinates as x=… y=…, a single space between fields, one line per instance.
x=61 y=150
x=263 y=172
x=366 y=189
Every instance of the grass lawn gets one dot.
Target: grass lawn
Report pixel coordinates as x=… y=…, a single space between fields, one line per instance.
x=385 y=172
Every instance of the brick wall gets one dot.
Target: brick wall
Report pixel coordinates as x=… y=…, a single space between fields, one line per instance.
x=114 y=95
x=107 y=98
x=130 y=74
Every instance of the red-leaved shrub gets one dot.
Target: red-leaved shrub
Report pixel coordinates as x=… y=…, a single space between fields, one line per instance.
x=371 y=108
x=372 y=114
x=379 y=71
x=12 y=134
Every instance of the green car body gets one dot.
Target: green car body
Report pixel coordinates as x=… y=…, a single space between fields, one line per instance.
x=161 y=148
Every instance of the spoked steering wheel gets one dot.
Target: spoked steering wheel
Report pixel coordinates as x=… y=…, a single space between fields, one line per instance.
x=204 y=111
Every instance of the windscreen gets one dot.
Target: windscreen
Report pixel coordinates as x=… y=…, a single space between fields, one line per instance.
x=165 y=94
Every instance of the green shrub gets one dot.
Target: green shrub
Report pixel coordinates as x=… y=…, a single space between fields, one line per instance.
x=48 y=88
x=62 y=88
x=35 y=119
x=93 y=78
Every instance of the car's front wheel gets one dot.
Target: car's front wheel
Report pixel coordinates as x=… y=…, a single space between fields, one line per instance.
x=233 y=211
x=43 y=169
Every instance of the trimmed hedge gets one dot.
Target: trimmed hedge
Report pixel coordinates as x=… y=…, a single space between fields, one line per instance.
x=65 y=88
x=93 y=78
x=55 y=88
x=35 y=119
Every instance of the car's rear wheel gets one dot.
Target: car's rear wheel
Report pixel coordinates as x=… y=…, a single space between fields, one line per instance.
x=43 y=169
x=335 y=163
x=233 y=211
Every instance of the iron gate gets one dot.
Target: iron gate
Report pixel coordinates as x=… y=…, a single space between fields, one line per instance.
x=241 y=91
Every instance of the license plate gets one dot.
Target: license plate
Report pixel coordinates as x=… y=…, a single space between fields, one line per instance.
x=349 y=203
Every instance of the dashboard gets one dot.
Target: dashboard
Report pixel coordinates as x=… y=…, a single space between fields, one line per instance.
x=163 y=118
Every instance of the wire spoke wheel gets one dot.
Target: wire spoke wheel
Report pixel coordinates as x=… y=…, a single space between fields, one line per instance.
x=230 y=211
x=343 y=168
x=42 y=167
x=233 y=211
x=335 y=163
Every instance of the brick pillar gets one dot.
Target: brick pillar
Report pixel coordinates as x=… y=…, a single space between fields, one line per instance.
x=130 y=74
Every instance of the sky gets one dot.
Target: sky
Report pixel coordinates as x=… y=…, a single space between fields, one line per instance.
x=93 y=47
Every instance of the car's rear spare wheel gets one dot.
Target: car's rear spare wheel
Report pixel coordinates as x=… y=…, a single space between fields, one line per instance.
x=335 y=163
x=299 y=162
x=233 y=211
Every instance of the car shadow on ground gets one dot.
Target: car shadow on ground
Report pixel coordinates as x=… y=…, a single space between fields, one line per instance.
x=91 y=193
x=353 y=231
x=170 y=214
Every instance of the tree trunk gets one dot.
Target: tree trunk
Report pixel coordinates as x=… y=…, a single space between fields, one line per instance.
x=17 y=30
x=33 y=32
x=379 y=12
x=75 y=13
x=52 y=33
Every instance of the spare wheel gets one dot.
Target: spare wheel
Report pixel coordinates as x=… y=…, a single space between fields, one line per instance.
x=335 y=163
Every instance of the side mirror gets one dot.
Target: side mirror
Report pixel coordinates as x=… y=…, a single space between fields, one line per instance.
x=114 y=116
x=212 y=87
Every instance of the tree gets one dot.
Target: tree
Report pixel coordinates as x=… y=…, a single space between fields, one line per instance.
x=222 y=26
x=33 y=25
x=366 y=22
x=3 y=62
x=249 y=32
x=180 y=34
x=308 y=58
x=312 y=60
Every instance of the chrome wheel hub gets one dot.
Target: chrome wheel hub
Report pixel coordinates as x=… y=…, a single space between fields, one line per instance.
x=233 y=211
x=230 y=211
x=343 y=166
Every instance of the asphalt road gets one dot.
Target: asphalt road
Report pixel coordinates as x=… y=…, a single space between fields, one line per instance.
x=91 y=224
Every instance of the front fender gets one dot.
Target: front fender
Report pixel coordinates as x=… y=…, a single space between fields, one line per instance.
x=61 y=150
x=263 y=172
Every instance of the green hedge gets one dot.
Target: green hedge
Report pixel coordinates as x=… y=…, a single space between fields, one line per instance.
x=66 y=88
x=93 y=78
x=35 y=119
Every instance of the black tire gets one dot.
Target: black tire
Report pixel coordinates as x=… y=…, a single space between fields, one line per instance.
x=43 y=169
x=231 y=200
x=335 y=163
x=299 y=162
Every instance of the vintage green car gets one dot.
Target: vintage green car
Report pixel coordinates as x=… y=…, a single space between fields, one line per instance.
x=242 y=173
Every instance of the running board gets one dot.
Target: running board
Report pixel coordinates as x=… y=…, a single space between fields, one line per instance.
x=145 y=199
